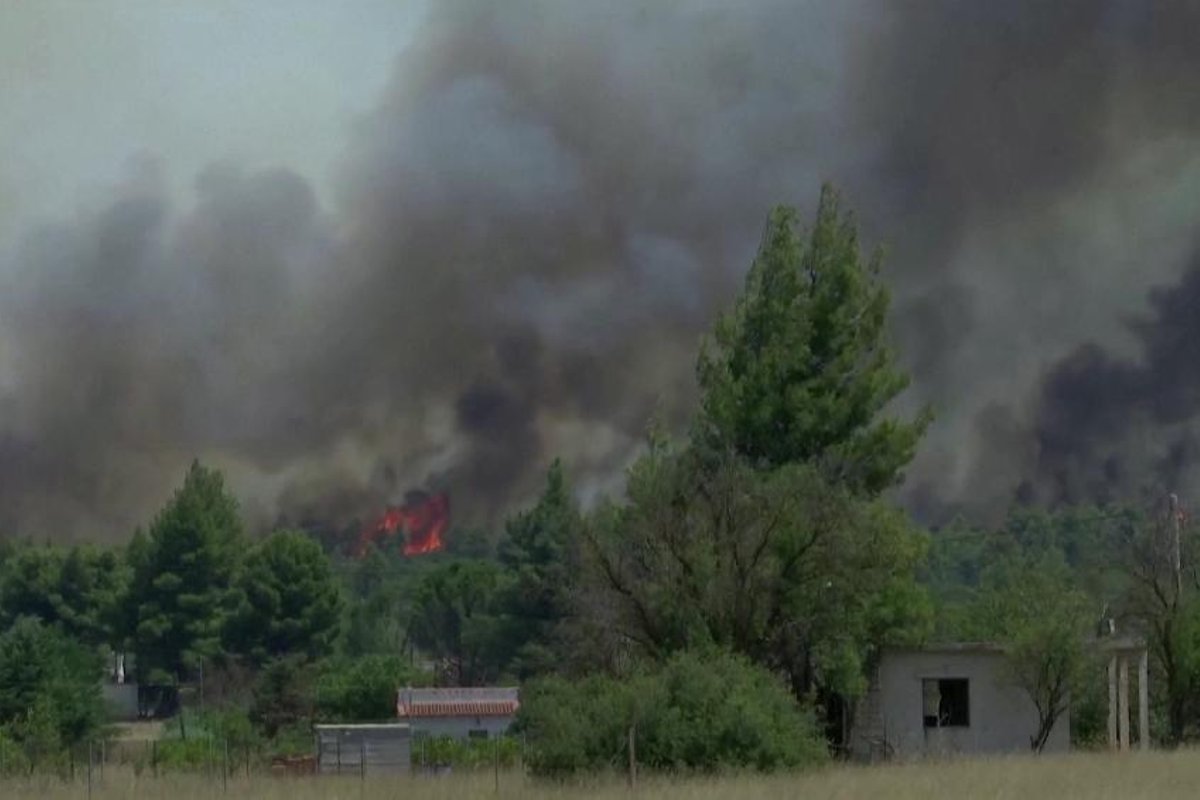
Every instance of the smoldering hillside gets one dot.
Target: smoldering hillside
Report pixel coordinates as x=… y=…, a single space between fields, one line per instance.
x=544 y=212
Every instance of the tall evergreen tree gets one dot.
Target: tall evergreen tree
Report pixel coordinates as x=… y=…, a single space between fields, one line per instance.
x=540 y=551
x=458 y=619
x=288 y=600
x=183 y=575
x=799 y=370
x=79 y=590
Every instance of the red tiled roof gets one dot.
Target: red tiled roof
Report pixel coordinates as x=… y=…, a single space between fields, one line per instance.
x=458 y=708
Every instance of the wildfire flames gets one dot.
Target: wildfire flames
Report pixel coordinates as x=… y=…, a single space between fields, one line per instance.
x=424 y=519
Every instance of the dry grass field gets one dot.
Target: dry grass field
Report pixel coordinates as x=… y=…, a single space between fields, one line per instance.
x=1092 y=776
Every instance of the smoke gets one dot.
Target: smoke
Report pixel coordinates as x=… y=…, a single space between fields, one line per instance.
x=1108 y=428
x=547 y=207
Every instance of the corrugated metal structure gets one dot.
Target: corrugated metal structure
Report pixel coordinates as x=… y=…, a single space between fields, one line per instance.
x=367 y=749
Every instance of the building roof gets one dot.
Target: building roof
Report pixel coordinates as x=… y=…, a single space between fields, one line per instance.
x=486 y=701
x=1114 y=643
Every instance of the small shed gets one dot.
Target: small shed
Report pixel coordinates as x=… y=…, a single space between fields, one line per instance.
x=369 y=749
x=948 y=699
x=460 y=712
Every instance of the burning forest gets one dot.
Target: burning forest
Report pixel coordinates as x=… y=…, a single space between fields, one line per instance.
x=423 y=520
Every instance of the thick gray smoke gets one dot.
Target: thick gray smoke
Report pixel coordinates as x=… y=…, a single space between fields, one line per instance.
x=546 y=209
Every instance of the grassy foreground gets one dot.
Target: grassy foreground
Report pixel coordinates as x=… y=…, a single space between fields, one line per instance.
x=1093 y=776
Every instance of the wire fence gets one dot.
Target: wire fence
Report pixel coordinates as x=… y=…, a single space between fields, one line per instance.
x=224 y=761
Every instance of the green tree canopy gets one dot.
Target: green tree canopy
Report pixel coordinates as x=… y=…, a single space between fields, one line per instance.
x=695 y=712
x=781 y=566
x=458 y=619
x=363 y=689
x=1031 y=605
x=799 y=371
x=183 y=574
x=288 y=600
x=80 y=590
x=379 y=588
x=49 y=685
x=540 y=551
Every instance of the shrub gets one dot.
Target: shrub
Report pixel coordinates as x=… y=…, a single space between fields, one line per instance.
x=361 y=689
x=193 y=753
x=471 y=754
x=293 y=740
x=13 y=760
x=695 y=713
x=50 y=694
x=283 y=695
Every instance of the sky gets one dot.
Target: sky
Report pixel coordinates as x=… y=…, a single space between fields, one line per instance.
x=88 y=87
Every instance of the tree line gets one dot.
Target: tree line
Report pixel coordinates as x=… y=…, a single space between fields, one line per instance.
x=747 y=578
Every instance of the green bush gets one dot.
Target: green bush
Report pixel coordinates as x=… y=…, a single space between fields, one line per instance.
x=13 y=760
x=230 y=726
x=50 y=697
x=361 y=689
x=695 y=713
x=193 y=753
x=470 y=754
x=292 y=740
x=283 y=695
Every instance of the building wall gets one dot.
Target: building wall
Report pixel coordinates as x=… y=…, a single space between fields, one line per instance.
x=366 y=749
x=459 y=727
x=121 y=701
x=1002 y=716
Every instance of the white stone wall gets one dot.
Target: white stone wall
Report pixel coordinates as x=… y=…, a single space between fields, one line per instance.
x=459 y=727
x=1003 y=717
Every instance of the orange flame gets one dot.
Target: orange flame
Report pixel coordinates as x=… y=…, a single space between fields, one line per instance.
x=425 y=520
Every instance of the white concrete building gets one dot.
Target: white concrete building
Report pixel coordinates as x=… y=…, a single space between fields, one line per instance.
x=461 y=713
x=960 y=698
x=948 y=699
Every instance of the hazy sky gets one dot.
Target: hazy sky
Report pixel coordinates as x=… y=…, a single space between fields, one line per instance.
x=86 y=86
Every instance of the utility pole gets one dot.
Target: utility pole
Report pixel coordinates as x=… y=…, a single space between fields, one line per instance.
x=1177 y=563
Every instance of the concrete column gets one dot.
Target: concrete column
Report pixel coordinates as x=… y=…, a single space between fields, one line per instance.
x=1112 y=702
x=1123 y=700
x=1144 y=700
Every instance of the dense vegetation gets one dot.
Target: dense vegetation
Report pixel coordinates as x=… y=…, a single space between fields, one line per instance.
x=727 y=607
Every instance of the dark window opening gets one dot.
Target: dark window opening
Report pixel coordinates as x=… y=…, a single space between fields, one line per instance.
x=477 y=734
x=947 y=702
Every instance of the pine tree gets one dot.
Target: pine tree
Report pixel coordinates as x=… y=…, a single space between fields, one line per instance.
x=799 y=371
x=183 y=577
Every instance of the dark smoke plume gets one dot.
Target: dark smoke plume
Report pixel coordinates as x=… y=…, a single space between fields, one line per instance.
x=546 y=209
x=1108 y=428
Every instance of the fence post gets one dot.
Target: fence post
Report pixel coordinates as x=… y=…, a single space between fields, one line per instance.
x=103 y=758
x=496 y=761
x=225 y=766
x=154 y=756
x=362 y=758
x=89 y=793
x=339 y=752
x=633 y=756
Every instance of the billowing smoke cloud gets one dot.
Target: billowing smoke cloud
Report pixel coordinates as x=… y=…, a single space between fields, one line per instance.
x=544 y=212
x=1109 y=428
x=1042 y=154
